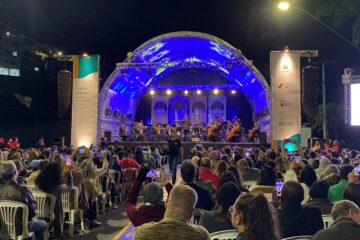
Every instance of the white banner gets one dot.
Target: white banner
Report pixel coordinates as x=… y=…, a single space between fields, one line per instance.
x=217 y=108
x=159 y=109
x=85 y=100
x=285 y=89
x=198 y=110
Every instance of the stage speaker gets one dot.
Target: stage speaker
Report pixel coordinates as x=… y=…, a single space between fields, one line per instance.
x=107 y=134
x=262 y=138
x=59 y=141
x=64 y=92
x=309 y=96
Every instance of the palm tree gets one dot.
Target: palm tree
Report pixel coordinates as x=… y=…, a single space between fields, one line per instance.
x=335 y=115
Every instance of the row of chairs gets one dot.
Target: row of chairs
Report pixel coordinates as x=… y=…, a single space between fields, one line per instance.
x=231 y=235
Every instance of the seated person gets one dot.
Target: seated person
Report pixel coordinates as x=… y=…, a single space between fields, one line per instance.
x=187 y=171
x=254 y=218
x=206 y=173
x=318 y=197
x=297 y=220
x=336 y=192
x=10 y=190
x=127 y=162
x=352 y=192
x=153 y=208
x=248 y=173
x=220 y=218
x=346 y=216
x=174 y=226
x=267 y=180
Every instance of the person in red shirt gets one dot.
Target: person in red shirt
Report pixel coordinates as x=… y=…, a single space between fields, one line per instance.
x=127 y=162
x=206 y=173
x=153 y=209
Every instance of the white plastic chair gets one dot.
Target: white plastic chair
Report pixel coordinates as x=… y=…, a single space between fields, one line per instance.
x=32 y=188
x=327 y=219
x=105 y=193
x=43 y=210
x=196 y=217
x=298 y=238
x=129 y=179
x=224 y=235
x=116 y=177
x=8 y=214
x=248 y=184
x=66 y=203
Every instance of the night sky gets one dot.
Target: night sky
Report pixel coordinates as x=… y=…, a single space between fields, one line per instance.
x=113 y=28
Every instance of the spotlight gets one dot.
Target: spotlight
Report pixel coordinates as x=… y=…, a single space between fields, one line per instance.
x=60 y=53
x=216 y=92
x=186 y=92
x=286 y=49
x=85 y=54
x=168 y=92
x=152 y=92
x=8 y=33
x=233 y=92
x=198 y=92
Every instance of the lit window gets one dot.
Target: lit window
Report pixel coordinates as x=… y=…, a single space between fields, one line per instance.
x=14 y=53
x=4 y=71
x=14 y=72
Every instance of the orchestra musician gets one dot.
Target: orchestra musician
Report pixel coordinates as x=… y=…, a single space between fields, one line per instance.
x=254 y=132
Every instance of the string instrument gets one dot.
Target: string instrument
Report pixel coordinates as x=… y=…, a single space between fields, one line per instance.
x=212 y=129
x=233 y=131
x=253 y=131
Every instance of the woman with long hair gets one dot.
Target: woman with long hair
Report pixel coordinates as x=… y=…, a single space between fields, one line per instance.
x=254 y=218
x=50 y=180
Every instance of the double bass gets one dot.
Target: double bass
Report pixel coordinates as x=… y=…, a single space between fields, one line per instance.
x=233 y=131
x=253 y=131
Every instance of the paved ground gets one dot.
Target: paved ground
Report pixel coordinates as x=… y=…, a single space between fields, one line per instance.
x=113 y=221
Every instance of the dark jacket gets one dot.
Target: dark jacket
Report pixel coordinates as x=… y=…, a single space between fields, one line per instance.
x=139 y=215
x=11 y=191
x=341 y=229
x=296 y=221
x=204 y=198
x=323 y=204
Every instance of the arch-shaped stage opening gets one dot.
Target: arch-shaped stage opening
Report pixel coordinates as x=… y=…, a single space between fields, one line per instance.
x=144 y=68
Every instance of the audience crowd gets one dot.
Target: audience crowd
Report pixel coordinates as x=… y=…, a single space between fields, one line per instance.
x=261 y=193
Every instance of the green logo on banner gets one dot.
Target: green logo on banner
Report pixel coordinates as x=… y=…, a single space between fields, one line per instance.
x=88 y=65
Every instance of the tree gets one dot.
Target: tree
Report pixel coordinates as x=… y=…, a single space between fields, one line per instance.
x=335 y=114
x=339 y=14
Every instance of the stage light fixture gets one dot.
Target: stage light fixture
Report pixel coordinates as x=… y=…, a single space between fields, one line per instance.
x=60 y=53
x=152 y=92
x=198 y=92
x=168 y=92
x=216 y=91
x=8 y=33
x=85 y=54
x=186 y=92
x=233 y=92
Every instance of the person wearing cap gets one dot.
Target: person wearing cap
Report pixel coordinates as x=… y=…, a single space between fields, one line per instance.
x=220 y=218
x=153 y=209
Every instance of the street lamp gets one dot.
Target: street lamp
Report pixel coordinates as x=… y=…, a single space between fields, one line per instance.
x=283 y=6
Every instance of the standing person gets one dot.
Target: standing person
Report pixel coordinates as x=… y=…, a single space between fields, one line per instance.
x=186 y=124
x=175 y=151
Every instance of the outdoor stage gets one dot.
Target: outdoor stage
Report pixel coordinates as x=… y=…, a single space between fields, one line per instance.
x=189 y=145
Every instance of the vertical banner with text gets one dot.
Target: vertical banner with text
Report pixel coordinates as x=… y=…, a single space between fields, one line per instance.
x=179 y=107
x=85 y=100
x=198 y=110
x=217 y=108
x=159 y=109
x=286 y=101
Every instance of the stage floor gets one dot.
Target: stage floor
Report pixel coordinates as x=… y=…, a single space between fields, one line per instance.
x=189 y=145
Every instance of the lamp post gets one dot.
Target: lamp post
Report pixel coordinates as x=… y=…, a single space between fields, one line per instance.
x=284 y=6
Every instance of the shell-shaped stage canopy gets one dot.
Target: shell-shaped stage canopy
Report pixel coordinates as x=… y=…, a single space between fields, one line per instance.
x=144 y=68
